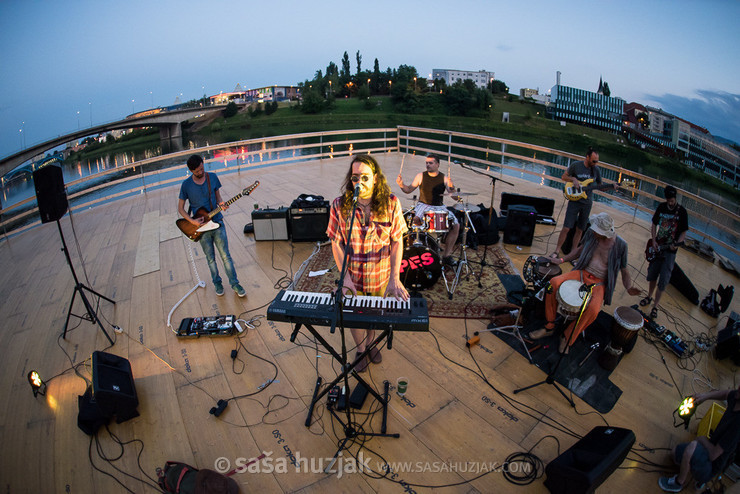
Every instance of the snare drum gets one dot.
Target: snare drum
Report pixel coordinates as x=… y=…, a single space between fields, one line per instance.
x=627 y=323
x=408 y=217
x=437 y=221
x=570 y=299
x=420 y=264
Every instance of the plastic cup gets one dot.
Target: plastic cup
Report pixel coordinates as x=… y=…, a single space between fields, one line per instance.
x=401 y=385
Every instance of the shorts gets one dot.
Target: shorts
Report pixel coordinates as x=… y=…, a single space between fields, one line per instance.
x=577 y=214
x=661 y=269
x=422 y=208
x=701 y=465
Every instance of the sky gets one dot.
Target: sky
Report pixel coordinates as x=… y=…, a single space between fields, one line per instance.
x=67 y=64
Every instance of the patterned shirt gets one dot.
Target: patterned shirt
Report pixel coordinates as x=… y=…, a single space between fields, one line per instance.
x=370 y=255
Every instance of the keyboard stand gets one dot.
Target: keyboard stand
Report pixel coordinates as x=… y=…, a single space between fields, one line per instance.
x=349 y=369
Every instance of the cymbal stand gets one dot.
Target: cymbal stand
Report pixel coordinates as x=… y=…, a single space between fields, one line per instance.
x=463 y=262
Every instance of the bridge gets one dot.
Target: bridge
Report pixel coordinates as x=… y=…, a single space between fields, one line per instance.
x=168 y=122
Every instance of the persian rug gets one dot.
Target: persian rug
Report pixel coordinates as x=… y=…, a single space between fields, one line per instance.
x=469 y=300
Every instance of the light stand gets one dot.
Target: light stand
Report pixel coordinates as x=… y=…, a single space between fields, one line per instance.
x=91 y=315
x=551 y=376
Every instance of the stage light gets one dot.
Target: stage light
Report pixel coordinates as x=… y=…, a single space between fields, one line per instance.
x=685 y=411
x=37 y=384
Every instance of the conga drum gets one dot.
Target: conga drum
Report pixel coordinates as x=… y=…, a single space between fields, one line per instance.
x=570 y=299
x=627 y=323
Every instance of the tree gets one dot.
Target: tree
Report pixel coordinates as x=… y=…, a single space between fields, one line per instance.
x=359 y=63
x=230 y=110
x=498 y=87
x=313 y=101
x=344 y=74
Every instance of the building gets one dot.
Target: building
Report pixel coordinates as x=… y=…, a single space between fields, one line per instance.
x=586 y=108
x=528 y=93
x=481 y=78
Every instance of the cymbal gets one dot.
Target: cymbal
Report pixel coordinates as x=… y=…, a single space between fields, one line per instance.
x=460 y=194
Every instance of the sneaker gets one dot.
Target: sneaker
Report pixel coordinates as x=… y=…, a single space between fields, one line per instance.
x=239 y=290
x=362 y=366
x=219 y=288
x=375 y=356
x=669 y=484
x=450 y=261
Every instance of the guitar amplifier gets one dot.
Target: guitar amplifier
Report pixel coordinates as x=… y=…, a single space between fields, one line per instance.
x=270 y=224
x=309 y=224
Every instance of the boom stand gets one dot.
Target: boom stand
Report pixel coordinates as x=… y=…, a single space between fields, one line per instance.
x=551 y=376
x=92 y=316
x=350 y=432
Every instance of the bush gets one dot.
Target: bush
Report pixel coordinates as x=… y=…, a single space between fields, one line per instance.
x=230 y=110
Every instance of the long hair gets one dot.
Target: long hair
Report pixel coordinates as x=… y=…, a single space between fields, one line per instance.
x=380 y=203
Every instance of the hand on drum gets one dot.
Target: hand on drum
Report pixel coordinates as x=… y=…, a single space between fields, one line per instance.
x=396 y=289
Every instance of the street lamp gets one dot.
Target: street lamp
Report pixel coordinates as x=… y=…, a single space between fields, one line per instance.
x=132 y=106
x=414 y=84
x=78 y=119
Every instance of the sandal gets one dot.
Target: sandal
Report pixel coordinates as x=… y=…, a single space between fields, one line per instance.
x=538 y=334
x=646 y=301
x=654 y=313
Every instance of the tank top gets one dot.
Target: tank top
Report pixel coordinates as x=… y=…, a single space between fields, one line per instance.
x=431 y=189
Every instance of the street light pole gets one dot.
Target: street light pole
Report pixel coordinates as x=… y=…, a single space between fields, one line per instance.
x=89 y=104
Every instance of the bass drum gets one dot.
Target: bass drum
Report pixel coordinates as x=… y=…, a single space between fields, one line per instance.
x=420 y=265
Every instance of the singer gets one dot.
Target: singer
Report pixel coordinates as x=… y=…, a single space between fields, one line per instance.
x=375 y=243
x=602 y=254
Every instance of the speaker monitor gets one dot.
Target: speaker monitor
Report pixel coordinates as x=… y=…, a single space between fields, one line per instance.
x=589 y=462
x=50 y=194
x=309 y=224
x=728 y=339
x=113 y=386
x=270 y=224
x=520 y=223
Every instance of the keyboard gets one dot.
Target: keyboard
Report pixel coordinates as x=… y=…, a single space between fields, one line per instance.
x=362 y=312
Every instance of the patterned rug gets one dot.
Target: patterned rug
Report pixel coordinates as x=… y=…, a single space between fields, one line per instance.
x=468 y=300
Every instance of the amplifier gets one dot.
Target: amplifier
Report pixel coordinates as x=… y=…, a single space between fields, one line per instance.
x=543 y=205
x=270 y=224
x=309 y=224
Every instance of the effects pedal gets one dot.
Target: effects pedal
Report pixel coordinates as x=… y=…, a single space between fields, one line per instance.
x=195 y=327
x=669 y=338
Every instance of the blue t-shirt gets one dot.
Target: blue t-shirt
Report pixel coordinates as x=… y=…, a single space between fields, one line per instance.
x=579 y=170
x=197 y=195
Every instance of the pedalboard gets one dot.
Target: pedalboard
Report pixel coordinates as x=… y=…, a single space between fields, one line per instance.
x=195 y=327
x=672 y=341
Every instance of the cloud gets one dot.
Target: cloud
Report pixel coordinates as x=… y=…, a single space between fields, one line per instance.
x=504 y=47
x=717 y=111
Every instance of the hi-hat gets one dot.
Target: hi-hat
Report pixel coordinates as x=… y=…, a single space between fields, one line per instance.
x=460 y=194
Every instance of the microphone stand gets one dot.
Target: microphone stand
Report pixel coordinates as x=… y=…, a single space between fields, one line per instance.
x=482 y=262
x=350 y=432
x=550 y=379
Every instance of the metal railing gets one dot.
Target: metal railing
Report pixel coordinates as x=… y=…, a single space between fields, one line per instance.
x=716 y=224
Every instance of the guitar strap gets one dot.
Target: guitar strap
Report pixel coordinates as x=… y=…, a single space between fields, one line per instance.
x=208 y=181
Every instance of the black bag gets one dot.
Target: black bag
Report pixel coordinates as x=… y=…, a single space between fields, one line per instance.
x=709 y=304
x=181 y=478
x=309 y=201
x=89 y=416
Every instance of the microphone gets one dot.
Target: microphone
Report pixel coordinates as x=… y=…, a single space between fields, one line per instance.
x=356 y=194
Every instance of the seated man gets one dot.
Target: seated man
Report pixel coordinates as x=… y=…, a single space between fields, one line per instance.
x=601 y=255
x=704 y=457
x=432 y=186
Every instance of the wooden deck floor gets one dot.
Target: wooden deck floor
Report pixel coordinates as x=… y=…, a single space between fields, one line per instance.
x=459 y=415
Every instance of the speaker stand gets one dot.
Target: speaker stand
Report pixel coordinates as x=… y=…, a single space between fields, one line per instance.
x=91 y=315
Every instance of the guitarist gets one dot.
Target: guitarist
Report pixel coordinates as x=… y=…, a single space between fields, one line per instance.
x=577 y=212
x=203 y=191
x=670 y=224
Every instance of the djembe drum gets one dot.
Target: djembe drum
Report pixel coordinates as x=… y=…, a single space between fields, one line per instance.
x=570 y=299
x=627 y=323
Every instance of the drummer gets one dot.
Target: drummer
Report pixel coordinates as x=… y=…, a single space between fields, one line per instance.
x=432 y=185
x=600 y=256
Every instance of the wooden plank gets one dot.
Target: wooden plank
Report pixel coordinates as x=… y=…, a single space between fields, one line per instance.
x=147 y=252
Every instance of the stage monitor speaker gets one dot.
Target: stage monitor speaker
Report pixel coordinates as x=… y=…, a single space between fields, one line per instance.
x=50 y=194
x=520 y=223
x=309 y=224
x=270 y=224
x=543 y=205
x=728 y=339
x=589 y=462
x=113 y=386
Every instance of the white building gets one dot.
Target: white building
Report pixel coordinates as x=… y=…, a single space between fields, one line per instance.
x=481 y=78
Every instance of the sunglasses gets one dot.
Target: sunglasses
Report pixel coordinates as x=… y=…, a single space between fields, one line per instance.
x=356 y=178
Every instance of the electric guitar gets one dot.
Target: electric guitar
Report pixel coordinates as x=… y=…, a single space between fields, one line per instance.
x=651 y=253
x=194 y=232
x=573 y=193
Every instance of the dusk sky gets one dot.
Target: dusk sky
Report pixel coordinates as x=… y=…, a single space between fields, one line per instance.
x=65 y=64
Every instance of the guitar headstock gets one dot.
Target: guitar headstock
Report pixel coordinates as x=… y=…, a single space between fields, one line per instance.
x=249 y=189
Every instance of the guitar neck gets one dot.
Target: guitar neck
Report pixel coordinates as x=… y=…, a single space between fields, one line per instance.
x=227 y=203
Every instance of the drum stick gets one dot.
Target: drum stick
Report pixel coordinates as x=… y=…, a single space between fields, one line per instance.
x=402 y=158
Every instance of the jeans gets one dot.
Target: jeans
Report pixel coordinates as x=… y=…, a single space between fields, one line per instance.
x=217 y=238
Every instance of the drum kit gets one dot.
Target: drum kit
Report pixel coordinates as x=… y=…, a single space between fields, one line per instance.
x=422 y=264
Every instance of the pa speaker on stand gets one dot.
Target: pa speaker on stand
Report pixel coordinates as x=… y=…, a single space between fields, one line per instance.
x=50 y=194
